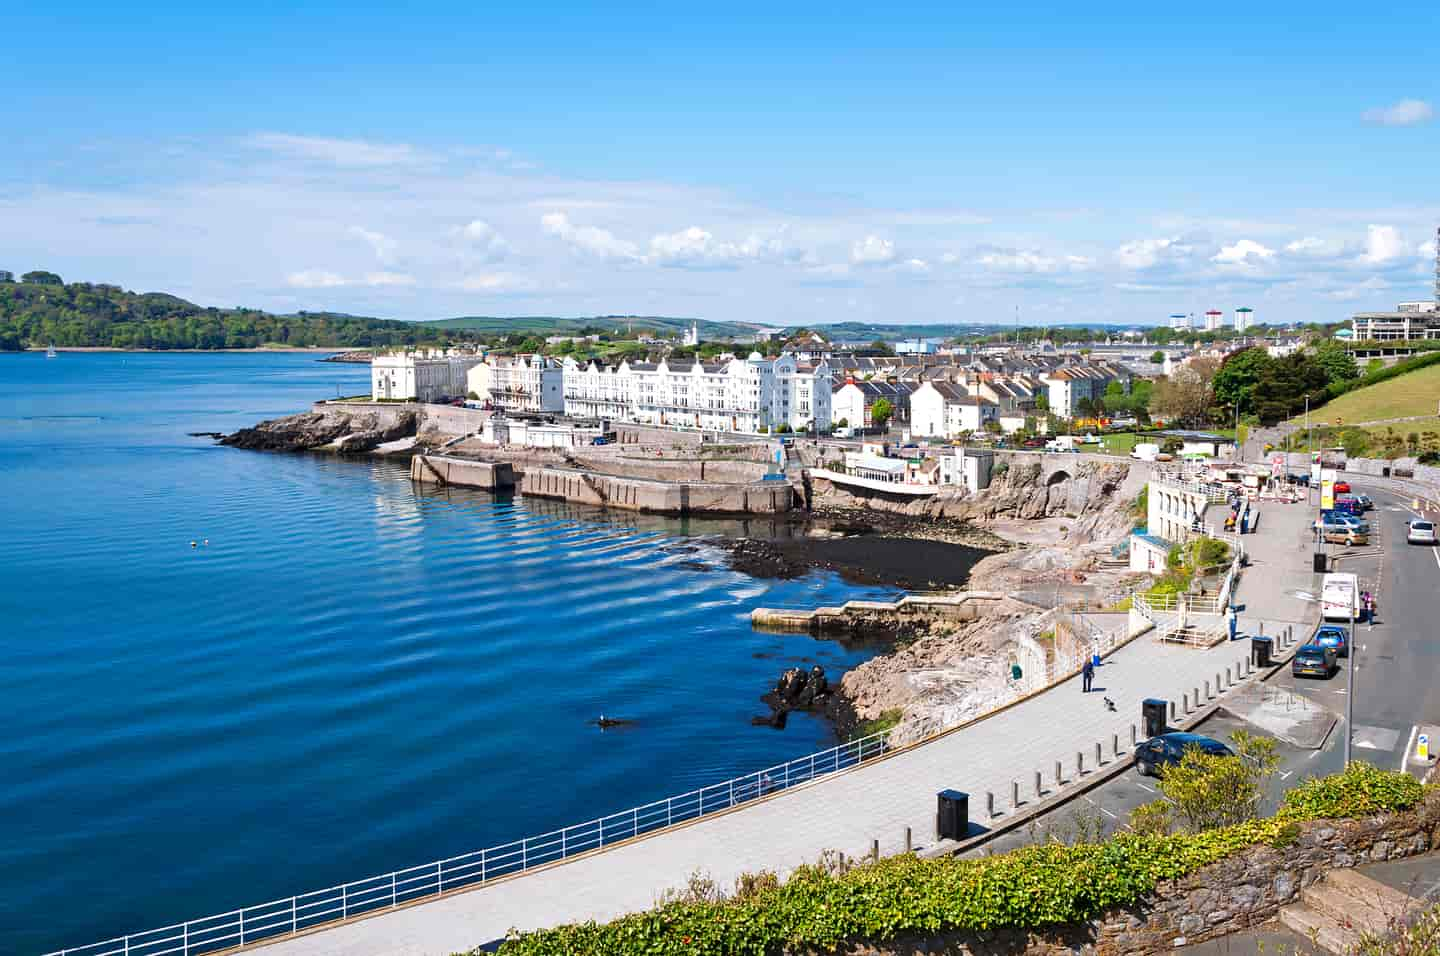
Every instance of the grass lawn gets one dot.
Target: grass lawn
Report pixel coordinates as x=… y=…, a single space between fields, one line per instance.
x=1416 y=393
x=1120 y=443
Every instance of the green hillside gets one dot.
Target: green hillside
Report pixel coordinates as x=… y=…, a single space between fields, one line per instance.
x=1411 y=394
x=43 y=310
x=561 y=325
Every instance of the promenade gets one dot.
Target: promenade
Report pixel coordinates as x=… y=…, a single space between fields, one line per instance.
x=878 y=800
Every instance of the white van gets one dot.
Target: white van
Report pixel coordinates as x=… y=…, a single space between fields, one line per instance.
x=1340 y=597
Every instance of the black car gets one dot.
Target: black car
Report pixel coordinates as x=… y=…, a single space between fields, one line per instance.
x=1157 y=753
x=1314 y=660
x=1300 y=478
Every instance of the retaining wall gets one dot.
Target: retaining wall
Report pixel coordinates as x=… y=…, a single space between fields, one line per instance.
x=658 y=497
x=462 y=472
x=905 y=616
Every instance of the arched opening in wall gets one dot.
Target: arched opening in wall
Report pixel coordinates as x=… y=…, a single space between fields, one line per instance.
x=1057 y=477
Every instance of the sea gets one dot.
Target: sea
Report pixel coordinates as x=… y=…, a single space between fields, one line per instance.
x=230 y=676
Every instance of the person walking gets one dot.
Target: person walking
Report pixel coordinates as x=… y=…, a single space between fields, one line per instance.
x=1087 y=676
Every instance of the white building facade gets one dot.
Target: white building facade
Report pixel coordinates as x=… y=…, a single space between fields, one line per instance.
x=751 y=395
x=519 y=383
x=424 y=375
x=945 y=410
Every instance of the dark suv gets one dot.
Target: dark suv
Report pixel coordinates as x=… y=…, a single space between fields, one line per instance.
x=1157 y=753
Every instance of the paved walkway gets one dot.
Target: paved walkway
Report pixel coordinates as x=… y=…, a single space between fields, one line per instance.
x=845 y=812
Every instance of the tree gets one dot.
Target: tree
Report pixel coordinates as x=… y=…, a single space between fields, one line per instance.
x=1283 y=386
x=1186 y=396
x=1336 y=360
x=881 y=346
x=40 y=277
x=1157 y=357
x=881 y=412
x=1235 y=381
x=1209 y=791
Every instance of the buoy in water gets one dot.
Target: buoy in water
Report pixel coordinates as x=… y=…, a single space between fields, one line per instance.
x=192 y=544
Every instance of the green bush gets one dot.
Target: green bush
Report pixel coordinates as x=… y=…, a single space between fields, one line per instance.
x=1047 y=884
x=1359 y=790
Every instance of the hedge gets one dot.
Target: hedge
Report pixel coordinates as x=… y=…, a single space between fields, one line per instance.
x=1046 y=884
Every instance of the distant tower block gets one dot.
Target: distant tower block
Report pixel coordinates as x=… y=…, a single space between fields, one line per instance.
x=1179 y=320
x=1214 y=319
x=1244 y=318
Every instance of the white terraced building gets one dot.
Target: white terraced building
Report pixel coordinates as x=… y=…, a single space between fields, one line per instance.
x=740 y=395
x=423 y=375
x=519 y=383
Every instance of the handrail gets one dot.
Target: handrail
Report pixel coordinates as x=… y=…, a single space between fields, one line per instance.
x=290 y=915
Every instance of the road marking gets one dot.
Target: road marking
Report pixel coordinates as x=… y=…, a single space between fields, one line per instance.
x=1143 y=787
x=1286 y=774
x=1405 y=757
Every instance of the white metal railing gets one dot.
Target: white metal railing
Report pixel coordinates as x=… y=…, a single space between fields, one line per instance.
x=284 y=917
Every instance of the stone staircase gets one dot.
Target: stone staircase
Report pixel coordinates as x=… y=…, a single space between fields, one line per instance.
x=1334 y=913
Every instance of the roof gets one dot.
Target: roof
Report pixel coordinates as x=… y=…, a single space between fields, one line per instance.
x=1152 y=539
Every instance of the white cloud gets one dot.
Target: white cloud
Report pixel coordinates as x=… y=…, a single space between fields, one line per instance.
x=1310 y=246
x=1030 y=260
x=1370 y=287
x=482 y=243
x=320 y=279
x=872 y=250
x=1382 y=244
x=589 y=239
x=917 y=266
x=314 y=279
x=376 y=279
x=1245 y=254
x=1426 y=250
x=341 y=152
x=382 y=245
x=1408 y=112
x=497 y=282
x=1147 y=253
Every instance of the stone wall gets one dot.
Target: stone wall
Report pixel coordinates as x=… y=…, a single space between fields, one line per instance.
x=1238 y=893
x=657 y=497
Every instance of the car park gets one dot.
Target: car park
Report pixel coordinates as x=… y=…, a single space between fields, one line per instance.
x=1154 y=755
x=1312 y=660
x=1334 y=637
x=1420 y=532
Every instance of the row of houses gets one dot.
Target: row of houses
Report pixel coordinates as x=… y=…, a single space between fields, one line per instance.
x=753 y=394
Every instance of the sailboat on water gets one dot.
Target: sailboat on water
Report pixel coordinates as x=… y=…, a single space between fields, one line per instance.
x=50 y=352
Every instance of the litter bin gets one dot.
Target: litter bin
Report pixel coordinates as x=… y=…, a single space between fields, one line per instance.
x=1260 y=648
x=952 y=814
x=1153 y=714
x=1319 y=562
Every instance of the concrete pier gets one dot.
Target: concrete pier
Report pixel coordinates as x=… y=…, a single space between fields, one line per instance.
x=963 y=606
x=658 y=497
x=462 y=472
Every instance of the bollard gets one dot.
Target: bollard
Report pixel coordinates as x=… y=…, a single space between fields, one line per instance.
x=1058 y=778
x=1014 y=793
x=1115 y=741
x=1207 y=690
x=989 y=805
x=1197 y=696
x=1185 y=698
x=1037 y=784
x=1172 y=711
x=1228 y=681
x=1132 y=735
x=1219 y=687
x=874 y=851
x=907 y=829
x=1099 y=755
x=1079 y=764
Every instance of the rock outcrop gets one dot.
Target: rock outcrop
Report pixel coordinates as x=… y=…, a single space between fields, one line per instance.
x=796 y=689
x=353 y=433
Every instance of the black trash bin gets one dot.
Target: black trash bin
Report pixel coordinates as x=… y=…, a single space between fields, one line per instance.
x=1153 y=715
x=952 y=815
x=1260 y=649
x=1319 y=562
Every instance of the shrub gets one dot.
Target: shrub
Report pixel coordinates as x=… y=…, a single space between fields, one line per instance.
x=1210 y=791
x=886 y=721
x=1357 y=791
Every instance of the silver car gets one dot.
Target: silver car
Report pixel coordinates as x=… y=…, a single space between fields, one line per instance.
x=1421 y=532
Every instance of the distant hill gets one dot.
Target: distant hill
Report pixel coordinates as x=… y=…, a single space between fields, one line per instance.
x=43 y=310
x=560 y=325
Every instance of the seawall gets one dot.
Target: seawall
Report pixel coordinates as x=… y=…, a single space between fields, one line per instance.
x=658 y=497
x=865 y=616
x=462 y=472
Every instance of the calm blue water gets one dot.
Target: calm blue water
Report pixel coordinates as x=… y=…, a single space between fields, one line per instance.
x=351 y=677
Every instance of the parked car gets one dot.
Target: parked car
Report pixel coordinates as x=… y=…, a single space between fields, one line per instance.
x=1341 y=519
x=1334 y=637
x=1366 y=502
x=1420 y=532
x=1343 y=529
x=1349 y=504
x=1034 y=443
x=1157 y=753
x=1342 y=488
x=1312 y=660
x=1346 y=536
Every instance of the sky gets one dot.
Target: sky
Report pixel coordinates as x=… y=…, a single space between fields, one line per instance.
x=778 y=164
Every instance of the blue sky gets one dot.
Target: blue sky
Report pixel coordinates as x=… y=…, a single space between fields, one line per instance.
x=798 y=164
